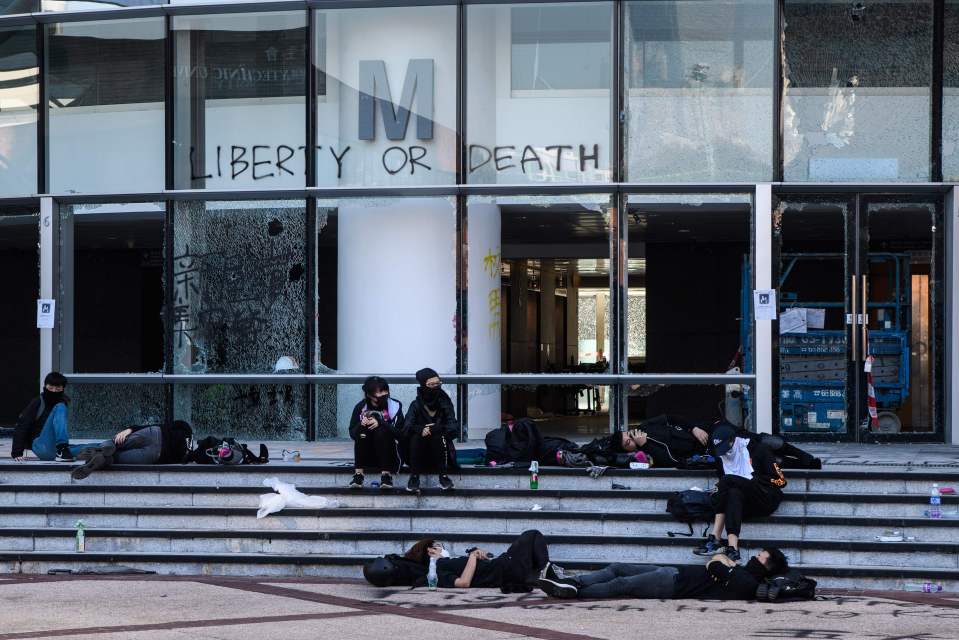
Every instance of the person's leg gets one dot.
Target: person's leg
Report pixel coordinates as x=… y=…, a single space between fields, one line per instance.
x=612 y=571
x=54 y=432
x=385 y=449
x=654 y=582
x=142 y=447
x=364 y=453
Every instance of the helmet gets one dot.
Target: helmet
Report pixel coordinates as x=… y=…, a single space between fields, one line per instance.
x=286 y=363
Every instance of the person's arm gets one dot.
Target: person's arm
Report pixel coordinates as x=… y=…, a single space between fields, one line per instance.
x=735 y=579
x=450 y=427
x=398 y=425
x=466 y=578
x=355 y=425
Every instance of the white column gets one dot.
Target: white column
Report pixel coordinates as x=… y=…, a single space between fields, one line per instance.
x=951 y=216
x=485 y=315
x=763 y=392
x=396 y=293
x=47 y=248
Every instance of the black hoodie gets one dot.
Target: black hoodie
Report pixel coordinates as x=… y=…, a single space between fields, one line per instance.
x=31 y=420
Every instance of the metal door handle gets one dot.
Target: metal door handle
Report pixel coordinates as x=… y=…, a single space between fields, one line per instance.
x=855 y=318
x=865 y=318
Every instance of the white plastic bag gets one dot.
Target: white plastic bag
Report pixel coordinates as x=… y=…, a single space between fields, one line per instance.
x=287 y=496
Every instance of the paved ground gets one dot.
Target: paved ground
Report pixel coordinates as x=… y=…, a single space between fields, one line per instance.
x=157 y=608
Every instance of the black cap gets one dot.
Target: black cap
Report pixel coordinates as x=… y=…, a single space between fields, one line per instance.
x=722 y=438
x=425 y=374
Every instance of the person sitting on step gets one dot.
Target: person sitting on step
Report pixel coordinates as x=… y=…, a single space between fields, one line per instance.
x=750 y=484
x=719 y=579
x=431 y=426
x=138 y=444
x=375 y=425
x=43 y=427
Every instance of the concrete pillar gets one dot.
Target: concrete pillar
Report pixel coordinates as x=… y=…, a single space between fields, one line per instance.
x=763 y=392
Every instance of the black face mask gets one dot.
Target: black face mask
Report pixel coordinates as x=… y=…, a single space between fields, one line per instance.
x=50 y=398
x=379 y=403
x=756 y=569
x=429 y=395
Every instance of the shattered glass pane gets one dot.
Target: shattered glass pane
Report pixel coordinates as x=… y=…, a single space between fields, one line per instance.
x=950 y=94
x=335 y=405
x=636 y=311
x=239 y=278
x=245 y=412
x=700 y=77
x=101 y=410
x=856 y=91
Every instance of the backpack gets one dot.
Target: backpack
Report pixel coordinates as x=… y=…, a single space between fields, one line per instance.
x=787 y=588
x=520 y=444
x=690 y=506
x=207 y=451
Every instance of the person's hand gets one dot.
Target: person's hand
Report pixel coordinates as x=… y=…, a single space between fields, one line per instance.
x=701 y=435
x=638 y=436
x=122 y=436
x=367 y=421
x=724 y=559
x=426 y=432
x=480 y=554
x=18 y=458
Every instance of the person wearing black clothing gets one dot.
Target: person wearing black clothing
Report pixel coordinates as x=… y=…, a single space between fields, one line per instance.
x=720 y=579
x=431 y=426
x=376 y=423
x=43 y=426
x=750 y=484
x=138 y=444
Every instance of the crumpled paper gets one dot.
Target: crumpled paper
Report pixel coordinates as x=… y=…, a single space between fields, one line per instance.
x=287 y=496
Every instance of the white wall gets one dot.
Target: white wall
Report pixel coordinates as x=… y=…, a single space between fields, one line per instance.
x=484 y=315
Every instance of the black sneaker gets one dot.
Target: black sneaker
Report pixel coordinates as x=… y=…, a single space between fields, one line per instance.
x=413 y=486
x=552 y=572
x=446 y=483
x=557 y=588
x=97 y=461
x=63 y=453
x=357 y=481
x=711 y=547
x=386 y=482
x=733 y=554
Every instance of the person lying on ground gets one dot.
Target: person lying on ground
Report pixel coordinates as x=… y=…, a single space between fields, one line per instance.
x=719 y=579
x=138 y=444
x=376 y=422
x=750 y=485
x=430 y=428
x=43 y=426
x=515 y=570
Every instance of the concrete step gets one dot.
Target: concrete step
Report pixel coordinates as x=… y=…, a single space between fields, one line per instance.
x=642 y=549
x=257 y=564
x=597 y=501
x=551 y=478
x=504 y=521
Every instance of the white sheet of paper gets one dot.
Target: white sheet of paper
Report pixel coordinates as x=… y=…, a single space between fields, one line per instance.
x=45 y=313
x=764 y=303
x=816 y=318
x=793 y=321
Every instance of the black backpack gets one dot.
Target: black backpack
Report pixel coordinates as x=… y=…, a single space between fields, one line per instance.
x=519 y=445
x=690 y=506
x=789 y=587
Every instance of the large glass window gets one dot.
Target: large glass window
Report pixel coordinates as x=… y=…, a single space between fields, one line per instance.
x=240 y=94
x=17 y=6
x=857 y=88
x=105 y=92
x=111 y=278
x=700 y=76
x=538 y=92
x=19 y=290
x=19 y=95
x=239 y=287
x=386 y=112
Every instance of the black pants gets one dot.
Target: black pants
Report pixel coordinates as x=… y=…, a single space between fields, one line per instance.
x=376 y=449
x=523 y=561
x=790 y=456
x=738 y=497
x=428 y=454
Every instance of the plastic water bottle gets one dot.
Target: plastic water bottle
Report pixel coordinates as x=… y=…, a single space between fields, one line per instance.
x=924 y=587
x=935 y=502
x=81 y=536
x=534 y=474
x=431 y=578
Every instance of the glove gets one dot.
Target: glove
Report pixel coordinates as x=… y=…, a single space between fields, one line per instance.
x=596 y=471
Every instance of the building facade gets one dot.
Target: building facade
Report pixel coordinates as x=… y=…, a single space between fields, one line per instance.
x=583 y=212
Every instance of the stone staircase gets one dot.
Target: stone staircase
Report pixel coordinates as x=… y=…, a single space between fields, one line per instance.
x=201 y=520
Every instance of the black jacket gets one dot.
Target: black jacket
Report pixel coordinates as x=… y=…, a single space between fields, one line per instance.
x=670 y=441
x=444 y=423
x=396 y=423
x=765 y=467
x=30 y=423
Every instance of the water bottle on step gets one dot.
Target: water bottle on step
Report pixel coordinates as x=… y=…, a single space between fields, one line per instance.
x=935 y=502
x=924 y=587
x=431 y=578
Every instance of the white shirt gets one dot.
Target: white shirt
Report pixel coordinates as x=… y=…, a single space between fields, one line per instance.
x=736 y=462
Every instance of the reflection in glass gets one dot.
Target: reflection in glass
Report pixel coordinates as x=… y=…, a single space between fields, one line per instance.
x=239 y=98
x=856 y=91
x=386 y=113
x=538 y=94
x=19 y=290
x=19 y=95
x=239 y=287
x=575 y=411
x=253 y=412
x=105 y=92
x=700 y=78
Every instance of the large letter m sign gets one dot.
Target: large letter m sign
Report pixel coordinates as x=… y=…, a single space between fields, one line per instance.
x=375 y=90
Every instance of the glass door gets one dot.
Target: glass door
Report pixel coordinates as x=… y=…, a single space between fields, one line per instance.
x=860 y=327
